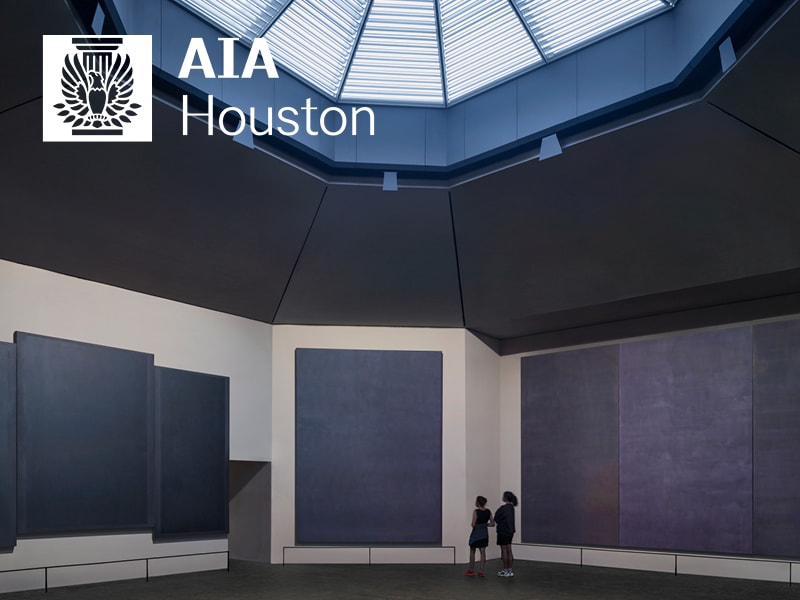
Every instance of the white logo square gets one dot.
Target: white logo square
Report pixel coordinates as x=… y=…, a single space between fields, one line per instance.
x=97 y=88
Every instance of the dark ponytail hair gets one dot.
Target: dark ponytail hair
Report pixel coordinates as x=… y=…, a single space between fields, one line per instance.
x=510 y=497
x=480 y=501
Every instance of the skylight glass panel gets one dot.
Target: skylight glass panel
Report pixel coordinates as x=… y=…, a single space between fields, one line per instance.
x=397 y=58
x=561 y=26
x=245 y=19
x=314 y=39
x=484 y=42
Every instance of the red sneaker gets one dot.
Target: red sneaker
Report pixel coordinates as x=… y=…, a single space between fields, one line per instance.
x=480 y=573
x=469 y=573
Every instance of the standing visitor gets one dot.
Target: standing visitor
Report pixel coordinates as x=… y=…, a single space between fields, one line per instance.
x=504 y=519
x=479 y=538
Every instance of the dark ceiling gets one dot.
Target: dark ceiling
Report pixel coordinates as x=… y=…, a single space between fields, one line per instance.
x=687 y=219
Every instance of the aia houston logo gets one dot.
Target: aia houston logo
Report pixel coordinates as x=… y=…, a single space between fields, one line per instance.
x=97 y=88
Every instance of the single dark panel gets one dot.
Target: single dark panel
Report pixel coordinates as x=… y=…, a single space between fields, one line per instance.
x=776 y=457
x=368 y=447
x=191 y=454
x=8 y=445
x=85 y=436
x=686 y=469
x=570 y=475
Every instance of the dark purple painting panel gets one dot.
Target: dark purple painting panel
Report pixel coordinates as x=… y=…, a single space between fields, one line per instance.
x=570 y=444
x=686 y=470
x=368 y=467
x=776 y=413
x=84 y=437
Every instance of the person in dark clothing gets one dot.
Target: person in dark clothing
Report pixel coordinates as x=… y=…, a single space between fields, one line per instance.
x=479 y=538
x=504 y=519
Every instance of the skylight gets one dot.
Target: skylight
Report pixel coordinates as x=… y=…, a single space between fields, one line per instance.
x=561 y=26
x=423 y=52
x=484 y=42
x=397 y=57
x=245 y=19
x=315 y=38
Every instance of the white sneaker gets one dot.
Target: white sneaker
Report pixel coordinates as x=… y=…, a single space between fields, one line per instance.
x=502 y=573
x=509 y=573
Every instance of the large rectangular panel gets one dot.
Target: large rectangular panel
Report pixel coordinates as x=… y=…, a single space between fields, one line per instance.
x=686 y=442
x=8 y=445
x=368 y=447
x=191 y=453
x=732 y=567
x=640 y=561
x=83 y=574
x=776 y=451
x=570 y=491
x=85 y=415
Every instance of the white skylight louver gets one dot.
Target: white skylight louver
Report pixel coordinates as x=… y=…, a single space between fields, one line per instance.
x=484 y=42
x=314 y=39
x=423 y=52
x=397 y=57
x=561 y=26
x=245 y=19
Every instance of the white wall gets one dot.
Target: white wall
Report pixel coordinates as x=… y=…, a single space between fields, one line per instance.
x=180 y=336
x=451 y=342
x=483 y=429
x=510 y=430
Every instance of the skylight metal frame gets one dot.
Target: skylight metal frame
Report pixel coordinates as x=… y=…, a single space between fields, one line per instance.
x=364 y=18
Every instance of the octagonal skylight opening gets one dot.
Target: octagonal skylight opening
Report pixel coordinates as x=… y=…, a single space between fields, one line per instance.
x=419 y=52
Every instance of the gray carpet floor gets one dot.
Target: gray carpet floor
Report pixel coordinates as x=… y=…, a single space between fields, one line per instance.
x=543 y=581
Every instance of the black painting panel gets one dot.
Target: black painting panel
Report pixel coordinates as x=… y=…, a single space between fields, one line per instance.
x=191 y=454
x=8 y=446
x=570 y=443
x=686 y=468
x=368 y=447
x=85 y=417
x=776 y=456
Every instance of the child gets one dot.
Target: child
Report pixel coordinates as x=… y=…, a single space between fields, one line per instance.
x=479 y=538
x=504 y=518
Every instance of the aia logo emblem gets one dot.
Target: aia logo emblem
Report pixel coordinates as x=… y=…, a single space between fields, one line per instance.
x=97 y=88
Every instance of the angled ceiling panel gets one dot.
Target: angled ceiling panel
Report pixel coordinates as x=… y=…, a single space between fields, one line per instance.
x=397 y=57
x=606 y=221
x=377 y=258
x=22 y=25
x=763 y=88
x=198 y=219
